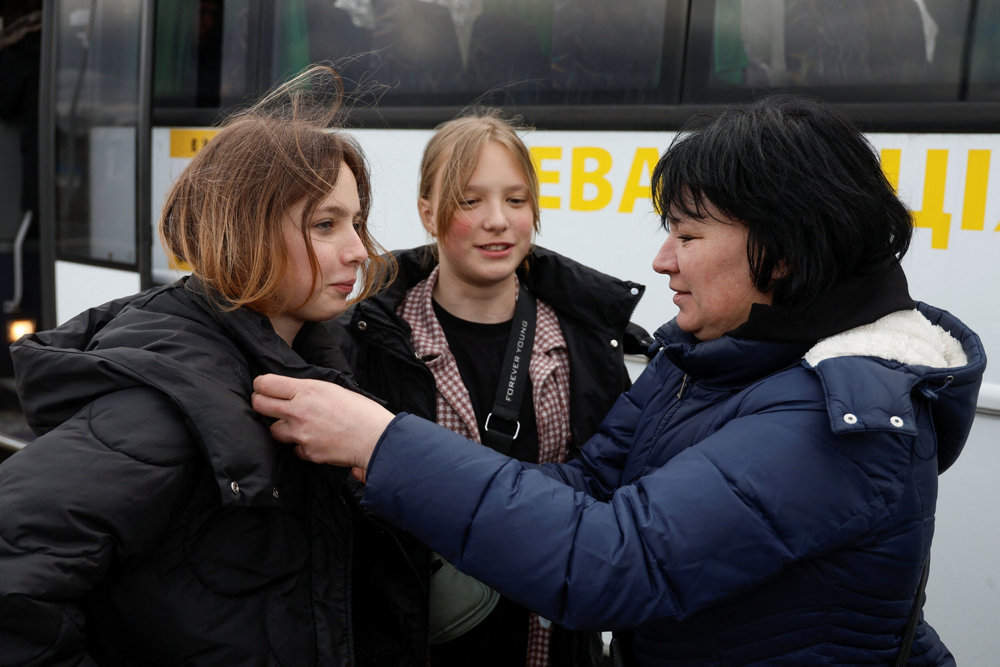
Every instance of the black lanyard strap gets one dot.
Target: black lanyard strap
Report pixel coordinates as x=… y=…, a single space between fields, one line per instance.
x=502 y=425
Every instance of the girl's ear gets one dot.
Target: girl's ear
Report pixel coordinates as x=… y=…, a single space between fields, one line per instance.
x=427 y=216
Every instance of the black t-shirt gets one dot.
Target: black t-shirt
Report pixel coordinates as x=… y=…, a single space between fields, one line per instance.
x=501 y=639
x=479 y=351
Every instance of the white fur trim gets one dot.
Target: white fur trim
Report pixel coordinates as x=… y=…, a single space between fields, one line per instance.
x=905 y=336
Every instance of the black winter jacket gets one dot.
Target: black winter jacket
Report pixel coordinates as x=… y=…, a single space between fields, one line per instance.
x=156 y=522
x=593 y=311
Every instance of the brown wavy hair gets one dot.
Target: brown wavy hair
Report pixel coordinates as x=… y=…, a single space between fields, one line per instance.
x=224 y=214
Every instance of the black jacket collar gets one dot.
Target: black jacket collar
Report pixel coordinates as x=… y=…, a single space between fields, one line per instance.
x=852 y=303
x=176 y=340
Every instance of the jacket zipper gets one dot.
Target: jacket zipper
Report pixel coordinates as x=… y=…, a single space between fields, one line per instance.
x=684 y=382
x=348 y=588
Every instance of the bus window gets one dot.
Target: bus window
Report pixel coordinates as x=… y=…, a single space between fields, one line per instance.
x=96 y=107
x=414 y=53
x=984 y=75
x=312 y=31
x=203 y=54
x=600 y=46
x=852 y=50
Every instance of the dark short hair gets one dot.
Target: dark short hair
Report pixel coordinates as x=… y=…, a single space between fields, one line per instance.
x=806 y=183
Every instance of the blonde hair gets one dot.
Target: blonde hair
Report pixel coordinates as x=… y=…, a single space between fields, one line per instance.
x=453 y=153
x=224 y=214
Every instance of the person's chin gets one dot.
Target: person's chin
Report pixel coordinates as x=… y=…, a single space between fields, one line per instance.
x=686 y=325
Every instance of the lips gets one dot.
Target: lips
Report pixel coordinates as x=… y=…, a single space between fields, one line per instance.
x=495 y=247
x=679 y=295
x=345 y=287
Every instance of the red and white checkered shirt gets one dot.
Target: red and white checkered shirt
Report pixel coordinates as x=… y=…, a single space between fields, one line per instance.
x=549 y=373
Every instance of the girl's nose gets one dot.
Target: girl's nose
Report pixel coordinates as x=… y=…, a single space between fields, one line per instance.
x=496 y=216
x=355 y=251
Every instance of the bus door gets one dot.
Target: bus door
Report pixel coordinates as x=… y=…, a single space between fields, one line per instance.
x=93 y=143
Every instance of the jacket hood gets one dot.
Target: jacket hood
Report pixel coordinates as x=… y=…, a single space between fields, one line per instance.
x=175 y=340
x=576 y=288
x=870 y=374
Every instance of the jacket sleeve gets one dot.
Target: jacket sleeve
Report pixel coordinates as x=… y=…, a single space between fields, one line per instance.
x=710 y=523
x=80 y=499
x=597 y=469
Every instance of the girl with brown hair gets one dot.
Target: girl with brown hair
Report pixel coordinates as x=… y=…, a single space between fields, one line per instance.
x=154 y=521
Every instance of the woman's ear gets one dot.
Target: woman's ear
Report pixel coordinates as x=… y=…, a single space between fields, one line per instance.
x=427 y=216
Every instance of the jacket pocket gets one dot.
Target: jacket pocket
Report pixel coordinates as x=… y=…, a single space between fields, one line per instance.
x=239 y=551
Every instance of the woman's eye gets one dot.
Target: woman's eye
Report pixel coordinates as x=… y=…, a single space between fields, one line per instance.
x=468 y=203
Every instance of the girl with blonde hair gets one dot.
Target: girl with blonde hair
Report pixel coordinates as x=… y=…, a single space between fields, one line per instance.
x=511 y=345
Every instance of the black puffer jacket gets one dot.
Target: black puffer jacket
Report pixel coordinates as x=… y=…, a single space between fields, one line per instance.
x=593 y=310
x=155 y=521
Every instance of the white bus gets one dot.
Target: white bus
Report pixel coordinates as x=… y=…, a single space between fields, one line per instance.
x=130 y=89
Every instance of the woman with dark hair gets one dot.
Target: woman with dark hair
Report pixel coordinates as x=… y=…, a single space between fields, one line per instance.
x=765 y=492
x=154 y=521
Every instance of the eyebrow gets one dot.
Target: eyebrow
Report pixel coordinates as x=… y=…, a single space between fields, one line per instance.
x=510 y=188
x=337 y=212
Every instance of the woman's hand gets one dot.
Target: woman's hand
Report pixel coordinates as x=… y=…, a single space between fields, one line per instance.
x=327 y=423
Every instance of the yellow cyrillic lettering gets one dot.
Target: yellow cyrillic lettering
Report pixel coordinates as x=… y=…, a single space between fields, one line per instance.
x=642 y=165
x=977 y=173
x=539 y=153
x=932 y=215
x=891 y=158
x=580 y=177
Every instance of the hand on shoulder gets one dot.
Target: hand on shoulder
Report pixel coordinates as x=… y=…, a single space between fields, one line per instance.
x=326 y=422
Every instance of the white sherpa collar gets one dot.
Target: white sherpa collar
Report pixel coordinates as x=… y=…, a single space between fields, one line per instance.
x=905 y=336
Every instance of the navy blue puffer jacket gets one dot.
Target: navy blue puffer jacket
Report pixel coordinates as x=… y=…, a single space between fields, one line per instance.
x=746 y=502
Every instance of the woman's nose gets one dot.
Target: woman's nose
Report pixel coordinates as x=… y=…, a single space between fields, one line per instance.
x=665 y=260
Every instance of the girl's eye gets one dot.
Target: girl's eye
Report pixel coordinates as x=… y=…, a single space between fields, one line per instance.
x=468 y=203
x=359 y=227
x=322 y=229
x=517 y=201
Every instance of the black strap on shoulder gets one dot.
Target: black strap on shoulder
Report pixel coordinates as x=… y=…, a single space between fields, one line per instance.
x=502 y=425
x=906 y=643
